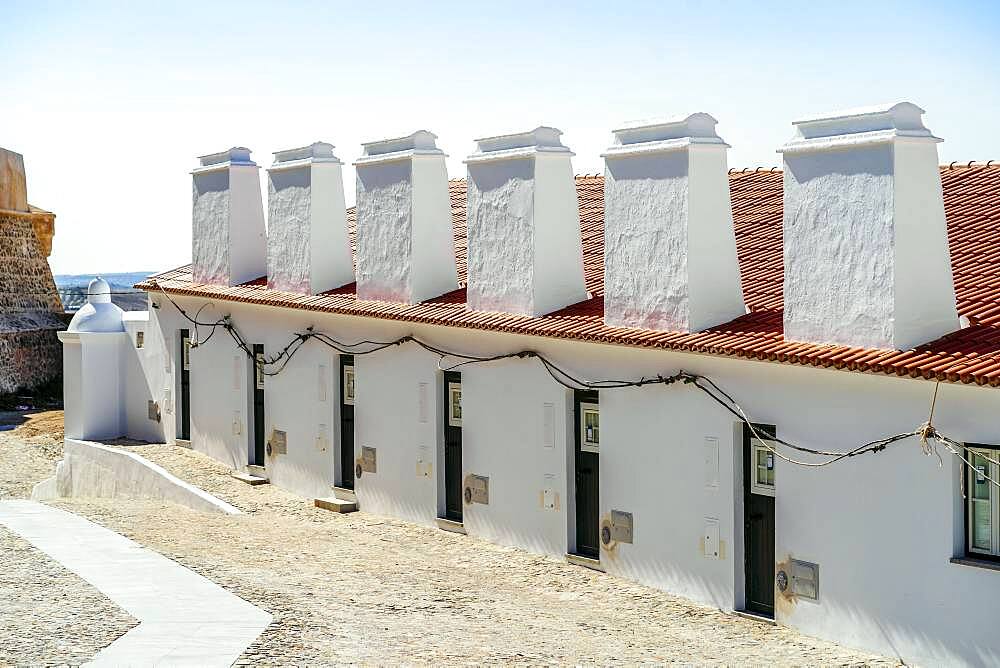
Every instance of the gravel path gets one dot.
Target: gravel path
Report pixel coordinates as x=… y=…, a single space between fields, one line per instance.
x=365 y=589
x=28 y=455
x=48 y=615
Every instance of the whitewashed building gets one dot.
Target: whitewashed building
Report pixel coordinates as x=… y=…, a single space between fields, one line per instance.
x=826 y=303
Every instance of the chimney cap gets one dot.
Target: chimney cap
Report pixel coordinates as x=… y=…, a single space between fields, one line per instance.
x=543 y=139
x=237 y=155
x=421 y=142
x=859 y=126
x=657 y=135
x=319 y=151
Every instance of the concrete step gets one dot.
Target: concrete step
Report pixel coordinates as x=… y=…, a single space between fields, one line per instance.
x=258 y=471
x=450 y=525
x=586 y=562
x=336 y=505
x=250 y=479
x=345 y=494
x=183 y=442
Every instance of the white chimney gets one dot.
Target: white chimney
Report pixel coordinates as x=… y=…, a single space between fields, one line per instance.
x=669 y=247
x=228 y=242
x=308 y=250
x=865 y=240
x=405 y=238
x=525 y=254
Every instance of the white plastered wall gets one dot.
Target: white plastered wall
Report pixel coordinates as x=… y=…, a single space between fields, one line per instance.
x=308 y=249
x=525 y=254
x=924 y=291
x=881 y=527
x=838 y=247
x=715 y=293
x=145 y=376
x=558 y=259
x=508 y=436
x=433 y=249
x=384 y=237
x=396 y=411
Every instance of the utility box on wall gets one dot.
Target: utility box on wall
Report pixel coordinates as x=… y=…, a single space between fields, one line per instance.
x=366 y=463
x=476 y=489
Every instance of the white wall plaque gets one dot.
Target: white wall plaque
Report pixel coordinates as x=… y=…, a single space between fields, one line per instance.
x=548 y=425
x=710 y=538
x=711 y=452
x=422 y=402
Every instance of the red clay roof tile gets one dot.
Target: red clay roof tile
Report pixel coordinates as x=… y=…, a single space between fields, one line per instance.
x=970 y=355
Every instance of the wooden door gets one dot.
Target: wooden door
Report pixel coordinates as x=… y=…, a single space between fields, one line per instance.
x=453 y=445
x=258 y=405
x=185 y=357
x=347 y=421
x=758 y=526
x=587 y=464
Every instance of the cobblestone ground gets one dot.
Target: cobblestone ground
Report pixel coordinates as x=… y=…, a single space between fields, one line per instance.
x=365 y=589
x=48 y=615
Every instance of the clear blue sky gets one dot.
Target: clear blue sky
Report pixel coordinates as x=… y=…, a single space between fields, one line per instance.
x=110 y=103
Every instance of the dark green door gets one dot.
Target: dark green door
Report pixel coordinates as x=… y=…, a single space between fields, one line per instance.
x=587 y=464
x=758 y=526
x=185 y=356
x=453 y=446
x=347 y=421
x=258 y=405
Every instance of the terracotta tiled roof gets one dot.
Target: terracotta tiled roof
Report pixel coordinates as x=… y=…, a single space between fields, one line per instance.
x=970 y=355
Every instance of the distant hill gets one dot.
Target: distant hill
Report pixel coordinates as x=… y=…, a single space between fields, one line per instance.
x=73 y=289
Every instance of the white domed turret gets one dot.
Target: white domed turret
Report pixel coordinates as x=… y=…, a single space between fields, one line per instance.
x=98 y=314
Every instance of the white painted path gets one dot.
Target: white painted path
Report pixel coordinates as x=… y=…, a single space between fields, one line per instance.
x=184 y=618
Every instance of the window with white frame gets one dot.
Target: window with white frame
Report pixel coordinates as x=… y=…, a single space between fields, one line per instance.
x=140 y=338
x=590 y=427
x=983 y=502
x=186 y=355
x=762 y=468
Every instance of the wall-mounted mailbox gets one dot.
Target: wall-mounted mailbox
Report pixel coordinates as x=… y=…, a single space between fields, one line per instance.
x=476 y=489
x=237 y=423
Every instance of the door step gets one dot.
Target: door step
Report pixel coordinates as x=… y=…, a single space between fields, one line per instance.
x=755 y=616
x=183 y=442
x=586 y=562
x=450 y=525
x=258 y=471
x=250 y=479
x=345 y=494
x=336 y=505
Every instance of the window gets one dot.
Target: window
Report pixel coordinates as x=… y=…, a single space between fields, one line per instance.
x=762 y=475
x=982 y=528
x=348 y=388
x=590 y=427
x=455 y=404
x=186 y=354
x=139 y=338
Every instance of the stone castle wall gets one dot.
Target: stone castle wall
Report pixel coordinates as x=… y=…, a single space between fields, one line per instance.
x=30 y=309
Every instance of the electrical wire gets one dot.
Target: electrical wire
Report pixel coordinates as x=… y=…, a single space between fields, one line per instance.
x=703 y=383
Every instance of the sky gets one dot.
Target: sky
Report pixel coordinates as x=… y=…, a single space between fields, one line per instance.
x=110 y=103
